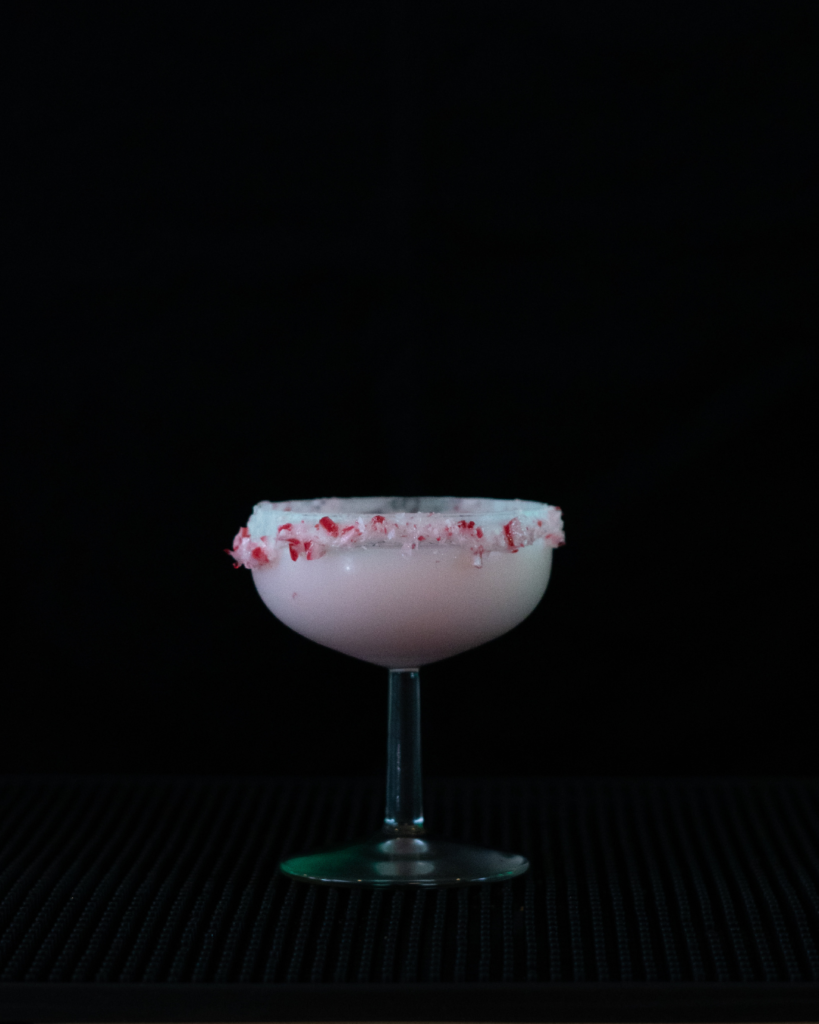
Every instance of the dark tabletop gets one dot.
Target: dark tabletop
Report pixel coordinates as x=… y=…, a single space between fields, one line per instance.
x=158 y=898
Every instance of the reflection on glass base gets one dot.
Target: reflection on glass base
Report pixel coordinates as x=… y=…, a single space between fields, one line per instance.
x=405 y=860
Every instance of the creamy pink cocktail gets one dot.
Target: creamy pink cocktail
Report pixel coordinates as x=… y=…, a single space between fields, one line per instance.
x=400 y=587
x=401 y=582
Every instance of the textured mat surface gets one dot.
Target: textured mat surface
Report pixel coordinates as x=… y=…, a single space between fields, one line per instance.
x=638 y=884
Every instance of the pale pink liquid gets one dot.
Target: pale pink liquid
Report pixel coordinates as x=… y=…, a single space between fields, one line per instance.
x=398 y=611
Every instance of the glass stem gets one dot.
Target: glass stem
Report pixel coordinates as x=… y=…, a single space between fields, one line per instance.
x=404 y=815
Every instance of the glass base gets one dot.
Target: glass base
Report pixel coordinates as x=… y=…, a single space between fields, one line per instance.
x=405 y=860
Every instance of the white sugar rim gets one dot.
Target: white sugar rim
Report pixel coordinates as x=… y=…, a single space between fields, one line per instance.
x=308 y=528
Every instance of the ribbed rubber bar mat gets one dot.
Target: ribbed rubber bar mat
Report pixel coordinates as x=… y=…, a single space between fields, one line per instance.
x=155 y=899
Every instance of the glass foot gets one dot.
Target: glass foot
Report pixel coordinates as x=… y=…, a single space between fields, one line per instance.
x=406 y=860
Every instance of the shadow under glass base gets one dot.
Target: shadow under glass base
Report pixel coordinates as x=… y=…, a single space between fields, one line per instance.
x=405 y=860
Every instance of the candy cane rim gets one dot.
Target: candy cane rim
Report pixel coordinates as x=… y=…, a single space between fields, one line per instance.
x=309 y=528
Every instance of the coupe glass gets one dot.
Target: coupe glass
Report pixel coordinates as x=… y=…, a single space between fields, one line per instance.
x=401 y=582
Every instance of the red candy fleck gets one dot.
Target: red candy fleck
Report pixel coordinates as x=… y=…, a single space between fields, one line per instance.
x=508 y=532
x=329 y=526
x=287 y=526
x=258 y=553
x=479 y=532
x=294 y=549
x=422 y=538
x=377 y=519
x=236 y=565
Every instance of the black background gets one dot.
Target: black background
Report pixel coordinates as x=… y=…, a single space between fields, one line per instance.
x=563 y=252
